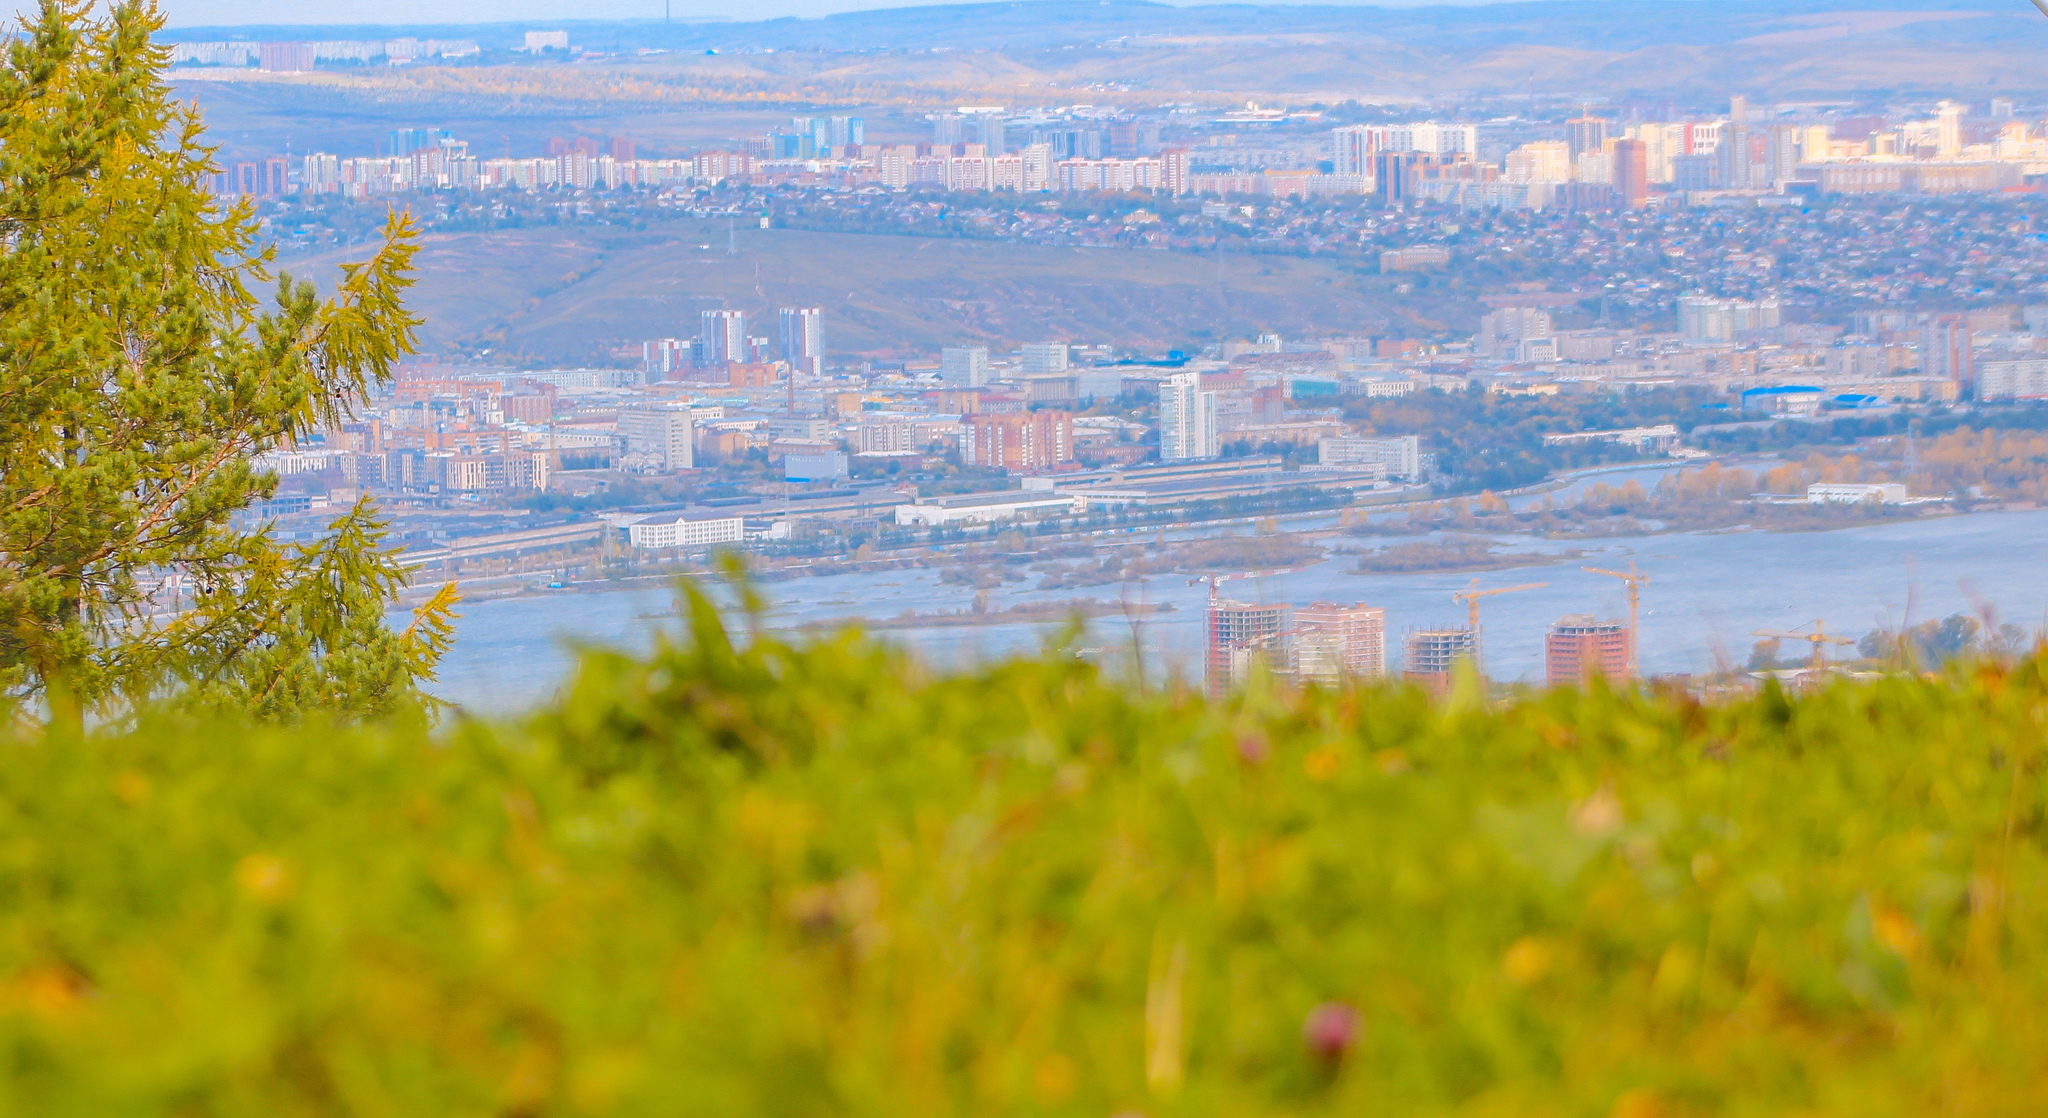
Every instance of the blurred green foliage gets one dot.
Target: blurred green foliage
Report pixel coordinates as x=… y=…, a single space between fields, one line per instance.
x=743 y=877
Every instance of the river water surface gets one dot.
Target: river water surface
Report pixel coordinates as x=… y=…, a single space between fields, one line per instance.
x=1709 y=591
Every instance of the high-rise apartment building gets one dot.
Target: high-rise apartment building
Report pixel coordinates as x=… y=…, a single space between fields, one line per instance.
x=1578 y=648
x=1585 y=133
x=660 y=437
x=1542 y=161
x=1240 y=635
x=848 y=130
x=803 y=339
x=1949 y=131
x=663 y=358
x=1705 y=319
x=1176 y=165
x=1632 y=173
x=724 y=337
x=1781 y=155
x=964 y=366
x=1734 y=154
x=1429 y=656
x=1036 y=440
x=1187 y=419
x=1351 y=149
x=1045 y=357
x=1661 y=144
x=889 y=436
x=1390 y=174
x=1335 y=642
x=1503 y=332
x=1945 y=349
x=1695 y=171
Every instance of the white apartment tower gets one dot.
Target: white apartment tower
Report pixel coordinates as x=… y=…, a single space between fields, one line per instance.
x=1187 y=419
x=1045 y=357
x=661 y=436
x=724 y=334
x=964 y=366
x=803 y=339
x=1351 y=150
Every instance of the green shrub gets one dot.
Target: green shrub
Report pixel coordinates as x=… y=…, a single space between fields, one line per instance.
x=741 y=877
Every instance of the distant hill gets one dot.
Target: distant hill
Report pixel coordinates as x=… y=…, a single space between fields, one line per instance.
x=1061 y=51
x=565 y=295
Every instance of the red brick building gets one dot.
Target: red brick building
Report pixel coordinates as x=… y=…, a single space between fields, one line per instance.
x=1024 y=441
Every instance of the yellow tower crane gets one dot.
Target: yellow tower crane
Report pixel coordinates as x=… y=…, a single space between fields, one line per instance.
x=1471 y=600
x=1820 y=638
x=1636 y=581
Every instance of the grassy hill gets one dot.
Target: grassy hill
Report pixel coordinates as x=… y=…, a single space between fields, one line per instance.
x=566 y=294
x=820 y=880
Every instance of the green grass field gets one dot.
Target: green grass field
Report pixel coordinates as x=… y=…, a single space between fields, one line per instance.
x=755 y=879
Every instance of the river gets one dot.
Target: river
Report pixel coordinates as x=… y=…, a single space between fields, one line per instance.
x=1708 y=592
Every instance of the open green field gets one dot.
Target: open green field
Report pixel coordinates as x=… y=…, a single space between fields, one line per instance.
x=568 y=294
x=738 y=879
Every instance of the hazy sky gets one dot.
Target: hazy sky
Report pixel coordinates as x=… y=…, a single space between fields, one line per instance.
x=189 y=13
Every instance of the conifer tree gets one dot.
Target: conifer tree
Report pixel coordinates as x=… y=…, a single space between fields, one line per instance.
x=139 y=374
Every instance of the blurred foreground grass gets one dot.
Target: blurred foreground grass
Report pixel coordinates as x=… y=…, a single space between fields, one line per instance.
x=744 y=878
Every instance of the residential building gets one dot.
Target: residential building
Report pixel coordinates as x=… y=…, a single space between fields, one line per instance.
x=1187 y=419
x=285 y=57
x=1240 y=635
x=2022 y=379
x=657 y=439
x=1045 y=357
x=1945 y=348
x=1585 y=134
x=1632 y=173
x=803 y=337
x=1335 y=642
x=1578 y=648
x=1544 y=161
x=1018 y=441
x=1503 y=331
x=1705 y=319
x=964 y=366
x=724 y=336
x=892 y=436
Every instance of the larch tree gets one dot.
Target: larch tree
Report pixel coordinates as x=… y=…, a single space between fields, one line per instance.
x=140 y=374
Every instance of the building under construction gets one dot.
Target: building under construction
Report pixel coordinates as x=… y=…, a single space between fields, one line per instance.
x=1579 y=647
x=1239 y=634
x=1335 y=642
x=1428 y=656
x=1326 y=642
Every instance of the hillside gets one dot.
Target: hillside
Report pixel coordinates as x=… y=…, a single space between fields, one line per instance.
x=1059 y=51
x=794 y=881
x=564 y=295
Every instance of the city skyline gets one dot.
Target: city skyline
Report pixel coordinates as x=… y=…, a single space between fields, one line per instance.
x=250 y=13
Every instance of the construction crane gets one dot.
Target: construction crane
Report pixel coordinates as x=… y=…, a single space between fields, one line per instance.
x=1820 y=638
x=1636 y=581
x=1216 y=581
x=1471 y=600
